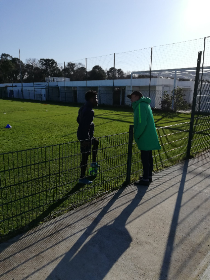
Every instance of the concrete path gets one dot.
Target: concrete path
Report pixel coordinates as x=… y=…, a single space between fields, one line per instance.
x=159 y=232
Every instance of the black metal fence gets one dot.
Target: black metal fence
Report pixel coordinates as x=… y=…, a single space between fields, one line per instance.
x=38 y=184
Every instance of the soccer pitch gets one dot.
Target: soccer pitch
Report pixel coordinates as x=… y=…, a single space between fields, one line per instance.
x=42 y=124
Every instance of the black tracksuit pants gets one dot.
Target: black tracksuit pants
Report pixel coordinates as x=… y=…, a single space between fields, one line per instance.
x=86 y=151
x=147 y=162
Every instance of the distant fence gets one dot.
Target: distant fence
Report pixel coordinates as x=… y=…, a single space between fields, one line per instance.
x=38 y=184
x=153 y=71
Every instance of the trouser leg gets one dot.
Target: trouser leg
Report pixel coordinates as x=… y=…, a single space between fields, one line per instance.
x=150 y=164
x=146 y=164
x=83 y=164
x=95 y=144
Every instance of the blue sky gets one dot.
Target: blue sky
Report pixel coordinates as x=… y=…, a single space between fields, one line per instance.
x=68 y=30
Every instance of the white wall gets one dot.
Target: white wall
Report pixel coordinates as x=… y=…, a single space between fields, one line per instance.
x=105 y=88
x=106 y=95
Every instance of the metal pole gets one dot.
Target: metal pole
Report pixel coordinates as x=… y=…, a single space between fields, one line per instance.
x=194 y=104
x=113 y=80
x=21 y=77
x=150 y=70
x=131 y=82
x=114 y=72
x=174 y=90
x=86 y=71
x=64 y=81
x=130 y=145
x=204 y=47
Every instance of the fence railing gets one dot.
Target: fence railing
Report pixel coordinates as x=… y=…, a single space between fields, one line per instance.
x=38 y=184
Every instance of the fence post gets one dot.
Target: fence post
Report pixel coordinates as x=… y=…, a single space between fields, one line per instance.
x=194 y=104
x=130 y=143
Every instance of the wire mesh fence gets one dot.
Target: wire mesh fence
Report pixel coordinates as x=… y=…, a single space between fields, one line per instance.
x=39 y=184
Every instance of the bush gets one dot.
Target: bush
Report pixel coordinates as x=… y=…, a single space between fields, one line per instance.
x=177 y=96
x=166 y=102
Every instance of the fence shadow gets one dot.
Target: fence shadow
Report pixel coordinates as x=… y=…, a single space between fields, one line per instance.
x=174 y=223
x=93 y=258
x=47 y=213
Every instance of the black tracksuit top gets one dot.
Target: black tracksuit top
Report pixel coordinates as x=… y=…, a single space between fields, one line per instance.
x=85 y=121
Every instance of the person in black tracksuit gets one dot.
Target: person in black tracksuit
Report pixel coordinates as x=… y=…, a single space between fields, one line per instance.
x=85 y=133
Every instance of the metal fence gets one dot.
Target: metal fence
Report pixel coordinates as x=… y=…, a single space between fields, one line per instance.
x=38 y=184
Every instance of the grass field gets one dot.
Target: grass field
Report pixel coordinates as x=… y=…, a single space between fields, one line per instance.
x=41 y=124
x=37 y=184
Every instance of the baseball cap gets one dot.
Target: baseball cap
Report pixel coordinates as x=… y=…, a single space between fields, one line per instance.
x=138 y=93
x=89 y=94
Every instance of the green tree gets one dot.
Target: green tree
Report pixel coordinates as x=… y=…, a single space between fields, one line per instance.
x=179 y=100
x=50 y=67
x=10 y=69
x=97 y=73
x=114 y=73
x=6 y=67
x=176 y=100
x=33 y=72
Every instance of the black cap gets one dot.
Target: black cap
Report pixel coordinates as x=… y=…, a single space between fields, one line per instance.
x=89 y=94
x=138 y=93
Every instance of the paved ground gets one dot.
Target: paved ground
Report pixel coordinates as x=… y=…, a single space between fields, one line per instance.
x=160 y=232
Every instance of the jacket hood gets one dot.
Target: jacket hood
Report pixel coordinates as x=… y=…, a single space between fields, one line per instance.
x=143 y=99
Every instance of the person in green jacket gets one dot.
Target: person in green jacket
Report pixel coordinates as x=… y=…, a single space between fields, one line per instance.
x=145 y=133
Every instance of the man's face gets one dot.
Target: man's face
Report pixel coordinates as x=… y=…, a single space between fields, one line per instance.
x=134 y=98
x=94 y=101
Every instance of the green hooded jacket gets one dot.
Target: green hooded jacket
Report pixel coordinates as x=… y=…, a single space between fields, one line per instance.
x=145 y=133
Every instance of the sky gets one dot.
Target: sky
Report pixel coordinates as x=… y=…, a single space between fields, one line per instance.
x=72 y=30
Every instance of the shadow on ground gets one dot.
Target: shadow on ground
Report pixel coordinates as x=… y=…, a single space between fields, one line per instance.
x=91 y=257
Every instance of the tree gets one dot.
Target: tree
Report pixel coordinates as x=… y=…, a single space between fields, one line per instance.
x=10 y=69
x=70 y=70
x=111 y=73
x=179 y=100
x=33 y=72
x=176 y=98
x=75 y=71
x=120 y=74
x=15 y=72
x=80 y=72
x=114 y=73
x=49 y=67
x=5 y=68
x=97 y=73
x=166 y=102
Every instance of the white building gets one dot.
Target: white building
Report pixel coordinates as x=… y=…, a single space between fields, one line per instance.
x=110 y=92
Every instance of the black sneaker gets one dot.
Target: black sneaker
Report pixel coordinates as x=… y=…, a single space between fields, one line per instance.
x=142 y=182
x=150 y=179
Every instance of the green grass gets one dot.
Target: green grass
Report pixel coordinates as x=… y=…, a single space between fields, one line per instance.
x=41 y=124
x=37 y=184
